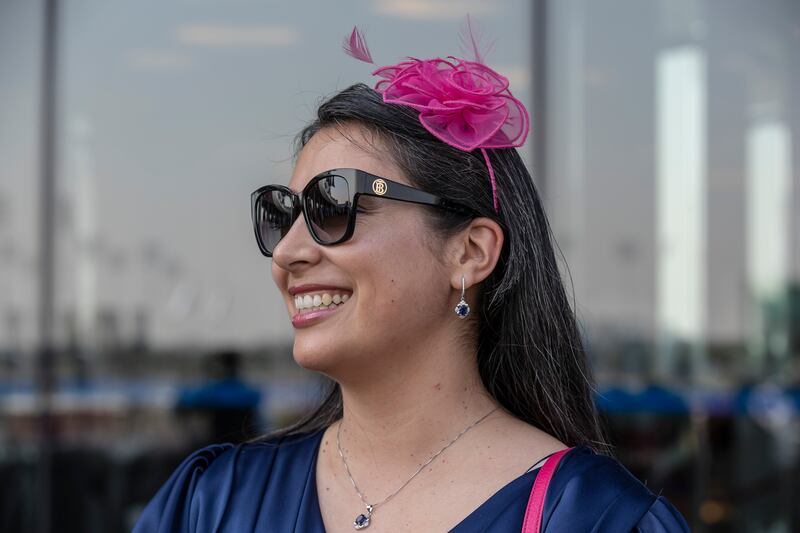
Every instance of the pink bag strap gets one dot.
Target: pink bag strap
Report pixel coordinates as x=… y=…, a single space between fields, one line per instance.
x=533 y=514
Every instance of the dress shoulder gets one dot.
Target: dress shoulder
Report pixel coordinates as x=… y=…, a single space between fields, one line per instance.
x=229 y=488
x=594 y=492
x=169 y=509
x=662 y=517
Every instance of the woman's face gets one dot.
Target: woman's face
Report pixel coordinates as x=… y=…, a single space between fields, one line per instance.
x=397 y=291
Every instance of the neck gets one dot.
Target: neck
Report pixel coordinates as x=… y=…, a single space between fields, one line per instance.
x=398 y=419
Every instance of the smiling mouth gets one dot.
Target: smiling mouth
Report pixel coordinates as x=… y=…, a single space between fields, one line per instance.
x=317 y=301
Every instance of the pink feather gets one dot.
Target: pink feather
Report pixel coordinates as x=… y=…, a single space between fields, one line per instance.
x=356 y=46
x=471 y=42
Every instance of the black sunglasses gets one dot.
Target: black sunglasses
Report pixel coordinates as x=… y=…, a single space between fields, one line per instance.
x=329 y=204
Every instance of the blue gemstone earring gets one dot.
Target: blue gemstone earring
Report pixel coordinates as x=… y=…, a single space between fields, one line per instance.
x=462 y=309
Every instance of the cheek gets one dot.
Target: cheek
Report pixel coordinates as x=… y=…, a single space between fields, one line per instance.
x=405 y=291
x=410 y=313
x=278 y=275
x=403 y=298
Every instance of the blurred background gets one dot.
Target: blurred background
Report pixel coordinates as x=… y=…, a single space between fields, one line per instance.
x=138 y=320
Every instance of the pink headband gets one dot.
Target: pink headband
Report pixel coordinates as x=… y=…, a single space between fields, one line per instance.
x=464 y=103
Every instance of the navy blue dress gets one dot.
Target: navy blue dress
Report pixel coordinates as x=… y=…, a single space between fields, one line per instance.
x=271 y=487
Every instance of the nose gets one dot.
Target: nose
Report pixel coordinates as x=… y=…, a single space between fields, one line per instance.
x=297 y=249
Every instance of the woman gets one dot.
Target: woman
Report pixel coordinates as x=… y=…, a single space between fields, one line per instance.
x=420 y=278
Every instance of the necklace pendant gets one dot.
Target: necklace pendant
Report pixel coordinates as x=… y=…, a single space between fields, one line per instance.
x=362 y=520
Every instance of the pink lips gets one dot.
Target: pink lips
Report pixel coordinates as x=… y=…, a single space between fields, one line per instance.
x=312 y=317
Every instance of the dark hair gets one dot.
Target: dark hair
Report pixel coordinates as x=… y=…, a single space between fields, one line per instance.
x=530 y=353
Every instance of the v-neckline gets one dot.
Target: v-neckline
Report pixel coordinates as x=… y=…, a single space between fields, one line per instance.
x=508 y=487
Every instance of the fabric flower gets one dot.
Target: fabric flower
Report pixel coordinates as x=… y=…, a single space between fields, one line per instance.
x=464 y=103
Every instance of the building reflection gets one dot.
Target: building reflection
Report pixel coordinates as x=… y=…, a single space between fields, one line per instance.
x=668 y=164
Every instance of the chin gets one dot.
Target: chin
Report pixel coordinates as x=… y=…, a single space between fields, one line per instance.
x=337 y=362
x=313 y=357
x=315 y=362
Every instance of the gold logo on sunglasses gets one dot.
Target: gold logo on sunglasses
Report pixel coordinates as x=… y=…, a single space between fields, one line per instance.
x=379 y=187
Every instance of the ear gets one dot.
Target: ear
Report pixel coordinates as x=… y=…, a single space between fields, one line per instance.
x=475 y=252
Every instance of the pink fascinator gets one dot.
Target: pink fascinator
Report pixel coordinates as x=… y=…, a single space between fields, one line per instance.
x=463 y=103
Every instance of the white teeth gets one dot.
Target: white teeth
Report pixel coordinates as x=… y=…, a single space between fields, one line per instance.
x=325 y=300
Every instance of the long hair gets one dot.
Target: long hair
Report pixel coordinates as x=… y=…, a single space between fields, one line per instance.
x=530 y=354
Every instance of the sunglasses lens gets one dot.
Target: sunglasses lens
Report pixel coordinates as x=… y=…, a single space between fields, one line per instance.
x=328 y=205
x=274 y=214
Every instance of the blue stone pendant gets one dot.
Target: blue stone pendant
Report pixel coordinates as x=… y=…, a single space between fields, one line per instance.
x=462 y=309
x=362 y=520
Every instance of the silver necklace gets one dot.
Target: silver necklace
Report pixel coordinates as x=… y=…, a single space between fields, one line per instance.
x=362 y=520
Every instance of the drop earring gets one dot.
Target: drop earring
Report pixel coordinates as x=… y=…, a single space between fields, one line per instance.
x=462 y=309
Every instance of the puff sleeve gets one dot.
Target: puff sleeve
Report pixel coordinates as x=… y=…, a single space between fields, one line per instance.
x=661 y=517
x=597 y=493
x=171 y=509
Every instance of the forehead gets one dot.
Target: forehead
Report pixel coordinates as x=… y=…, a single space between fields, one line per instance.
x=346 y=146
